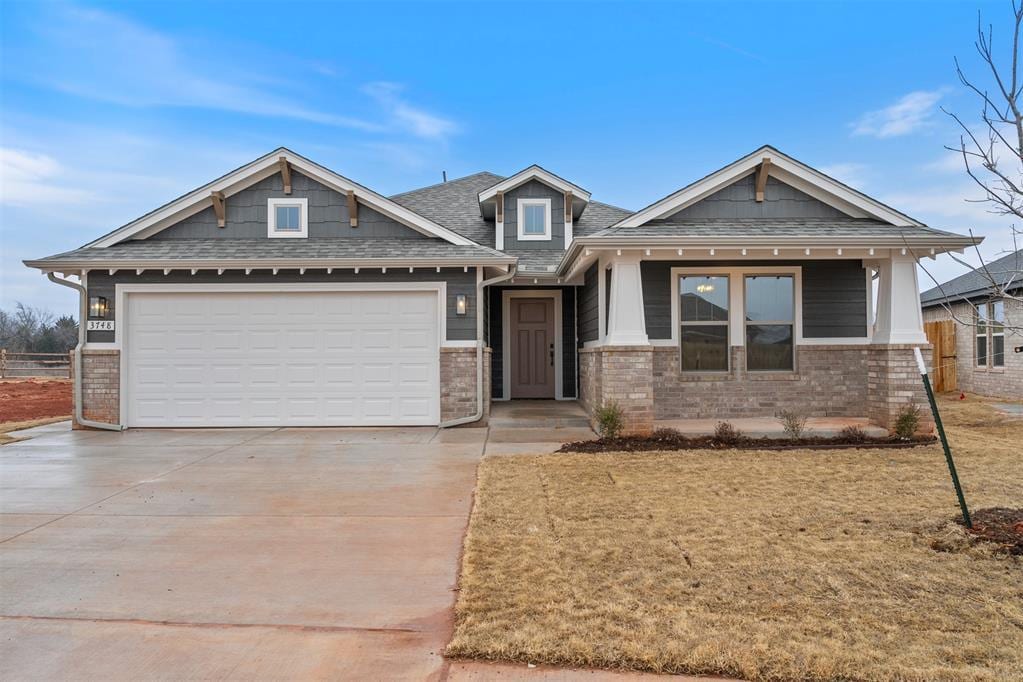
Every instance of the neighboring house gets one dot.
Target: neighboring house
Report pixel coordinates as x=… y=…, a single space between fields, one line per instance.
x=285 y=294
x=984 y=357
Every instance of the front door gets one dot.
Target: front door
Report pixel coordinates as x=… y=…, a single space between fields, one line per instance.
x=532 y=347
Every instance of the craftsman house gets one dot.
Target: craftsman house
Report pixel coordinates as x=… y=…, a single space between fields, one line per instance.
x=283 y=293
x=985 y=314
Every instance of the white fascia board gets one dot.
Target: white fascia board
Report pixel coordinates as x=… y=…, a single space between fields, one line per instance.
x=253 y=172
x=534 y=172
x=786 y=169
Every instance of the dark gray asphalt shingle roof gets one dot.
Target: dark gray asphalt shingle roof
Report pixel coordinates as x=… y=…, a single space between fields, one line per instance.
x=978 y=282
x=781 y=227
x=382 y=248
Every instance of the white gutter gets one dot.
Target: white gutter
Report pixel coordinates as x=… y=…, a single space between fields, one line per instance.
x=82 y=315
x=479 y=351
x=261 y=264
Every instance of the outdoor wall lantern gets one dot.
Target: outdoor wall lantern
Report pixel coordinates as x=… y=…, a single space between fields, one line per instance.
x=460 y=304
x=98 y=307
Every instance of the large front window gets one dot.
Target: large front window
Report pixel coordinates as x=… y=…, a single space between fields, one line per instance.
x=770 y=323
x=703 y=323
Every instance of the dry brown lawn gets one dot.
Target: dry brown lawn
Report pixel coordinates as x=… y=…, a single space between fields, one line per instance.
x=762 y=565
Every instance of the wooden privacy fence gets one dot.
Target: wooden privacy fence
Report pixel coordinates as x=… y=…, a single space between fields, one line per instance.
x=942 y=336
x=13 y=365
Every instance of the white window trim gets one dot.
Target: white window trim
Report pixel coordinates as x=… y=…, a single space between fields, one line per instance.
x=521 y=218
x=271 y=217
x=746 y=322
x=736 y=297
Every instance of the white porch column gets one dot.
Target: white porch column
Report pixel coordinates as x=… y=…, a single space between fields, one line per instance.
x=627 y=322
x=899 y=319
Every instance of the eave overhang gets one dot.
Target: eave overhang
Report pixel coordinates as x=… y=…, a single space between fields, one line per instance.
x=262 y=264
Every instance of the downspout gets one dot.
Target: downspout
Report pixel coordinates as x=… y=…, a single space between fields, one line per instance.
x=483 y=284
x=82 y=315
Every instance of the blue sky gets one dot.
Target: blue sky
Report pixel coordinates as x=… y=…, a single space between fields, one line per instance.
x=110 y=109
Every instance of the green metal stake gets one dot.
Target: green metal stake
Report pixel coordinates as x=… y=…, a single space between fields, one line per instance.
x=944 y=440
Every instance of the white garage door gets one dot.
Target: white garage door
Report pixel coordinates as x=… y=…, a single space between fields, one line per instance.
x=282 y=358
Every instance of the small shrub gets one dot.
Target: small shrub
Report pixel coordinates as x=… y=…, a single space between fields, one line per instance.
x=853 y=434
x=668 y=436
x=610 y=421
x=726 y=434
x=907 y=422
x=793 y=422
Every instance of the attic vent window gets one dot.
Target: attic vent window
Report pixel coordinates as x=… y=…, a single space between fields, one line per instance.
x=287 y=217
x=534 y=218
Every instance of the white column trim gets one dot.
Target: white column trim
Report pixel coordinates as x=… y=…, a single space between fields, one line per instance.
x=899 y=318
x=627 y=323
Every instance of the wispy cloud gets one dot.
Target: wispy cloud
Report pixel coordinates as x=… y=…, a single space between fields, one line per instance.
x=852 y=174
x=417 y=121
x=911 y=113
x=27 y=178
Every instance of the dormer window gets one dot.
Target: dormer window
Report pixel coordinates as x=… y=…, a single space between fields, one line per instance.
x=534 y=219
x=287 y=217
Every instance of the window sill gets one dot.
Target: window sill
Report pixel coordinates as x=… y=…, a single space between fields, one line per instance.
x=707 y=376
x=773 y=376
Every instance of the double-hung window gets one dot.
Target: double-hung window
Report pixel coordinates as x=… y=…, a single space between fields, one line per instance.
x=991 y=334
x=703 y=323
x=770 y=323
x=534 y=219
x=287 y=217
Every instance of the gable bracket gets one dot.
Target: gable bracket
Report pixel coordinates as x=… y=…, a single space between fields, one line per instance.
x=218 y=207
x=499 y=215
x=353 y=209
x=285 y=173
x=568 y=207
x=762 y=172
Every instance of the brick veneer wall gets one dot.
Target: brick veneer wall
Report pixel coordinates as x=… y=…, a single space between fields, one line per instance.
x=458 y=384
x=623 y=374
x=1000 y=382
x=101 y=386
x=828 y=381
x=893 y=383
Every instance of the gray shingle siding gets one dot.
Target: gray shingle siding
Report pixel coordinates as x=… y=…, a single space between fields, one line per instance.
x=738 y=200
x=589 y=305
x=459 y=327
x=534 y=189
x=246 y=214
x=834 y=295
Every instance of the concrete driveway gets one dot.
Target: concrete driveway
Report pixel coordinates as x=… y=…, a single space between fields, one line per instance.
x=239 y=553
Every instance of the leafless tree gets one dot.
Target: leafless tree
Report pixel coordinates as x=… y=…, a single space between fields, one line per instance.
x=992 y=154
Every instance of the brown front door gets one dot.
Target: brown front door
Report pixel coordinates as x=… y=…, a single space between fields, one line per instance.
x=532 y=347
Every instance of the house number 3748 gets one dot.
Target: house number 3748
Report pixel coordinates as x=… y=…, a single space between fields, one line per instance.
x=100 y=326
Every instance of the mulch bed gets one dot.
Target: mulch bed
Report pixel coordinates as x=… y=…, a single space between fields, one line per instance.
x=659 y=442
x=1000 y=525
x=27 y=399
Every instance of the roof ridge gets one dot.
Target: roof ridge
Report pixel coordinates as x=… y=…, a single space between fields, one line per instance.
x=444 y=182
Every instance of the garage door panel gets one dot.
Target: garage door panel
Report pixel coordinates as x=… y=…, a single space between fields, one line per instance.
x=282 y=358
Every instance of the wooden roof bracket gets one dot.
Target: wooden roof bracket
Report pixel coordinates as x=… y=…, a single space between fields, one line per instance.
x=568 y=207
x=353 y=209
x=762 y=171
x=499 y=209
x=218 y=207
x=285 y=173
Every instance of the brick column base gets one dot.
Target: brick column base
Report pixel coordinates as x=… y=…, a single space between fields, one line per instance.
x=458 y=384
x=893 y=383
x=101 y=386
x=623 y=375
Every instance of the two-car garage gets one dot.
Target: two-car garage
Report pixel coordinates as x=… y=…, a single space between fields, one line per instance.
x=269 y=355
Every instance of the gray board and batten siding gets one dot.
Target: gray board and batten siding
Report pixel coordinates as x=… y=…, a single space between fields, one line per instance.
x=534 y=189
x=246 y=214
x=834 y=295
x=459 y=327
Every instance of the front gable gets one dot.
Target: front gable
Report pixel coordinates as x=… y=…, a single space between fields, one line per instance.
x=739 y=201
x=219 y=195
x=246 y=214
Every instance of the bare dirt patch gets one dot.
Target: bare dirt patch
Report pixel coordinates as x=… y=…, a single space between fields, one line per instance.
x=27 y=399
x=765 y=565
